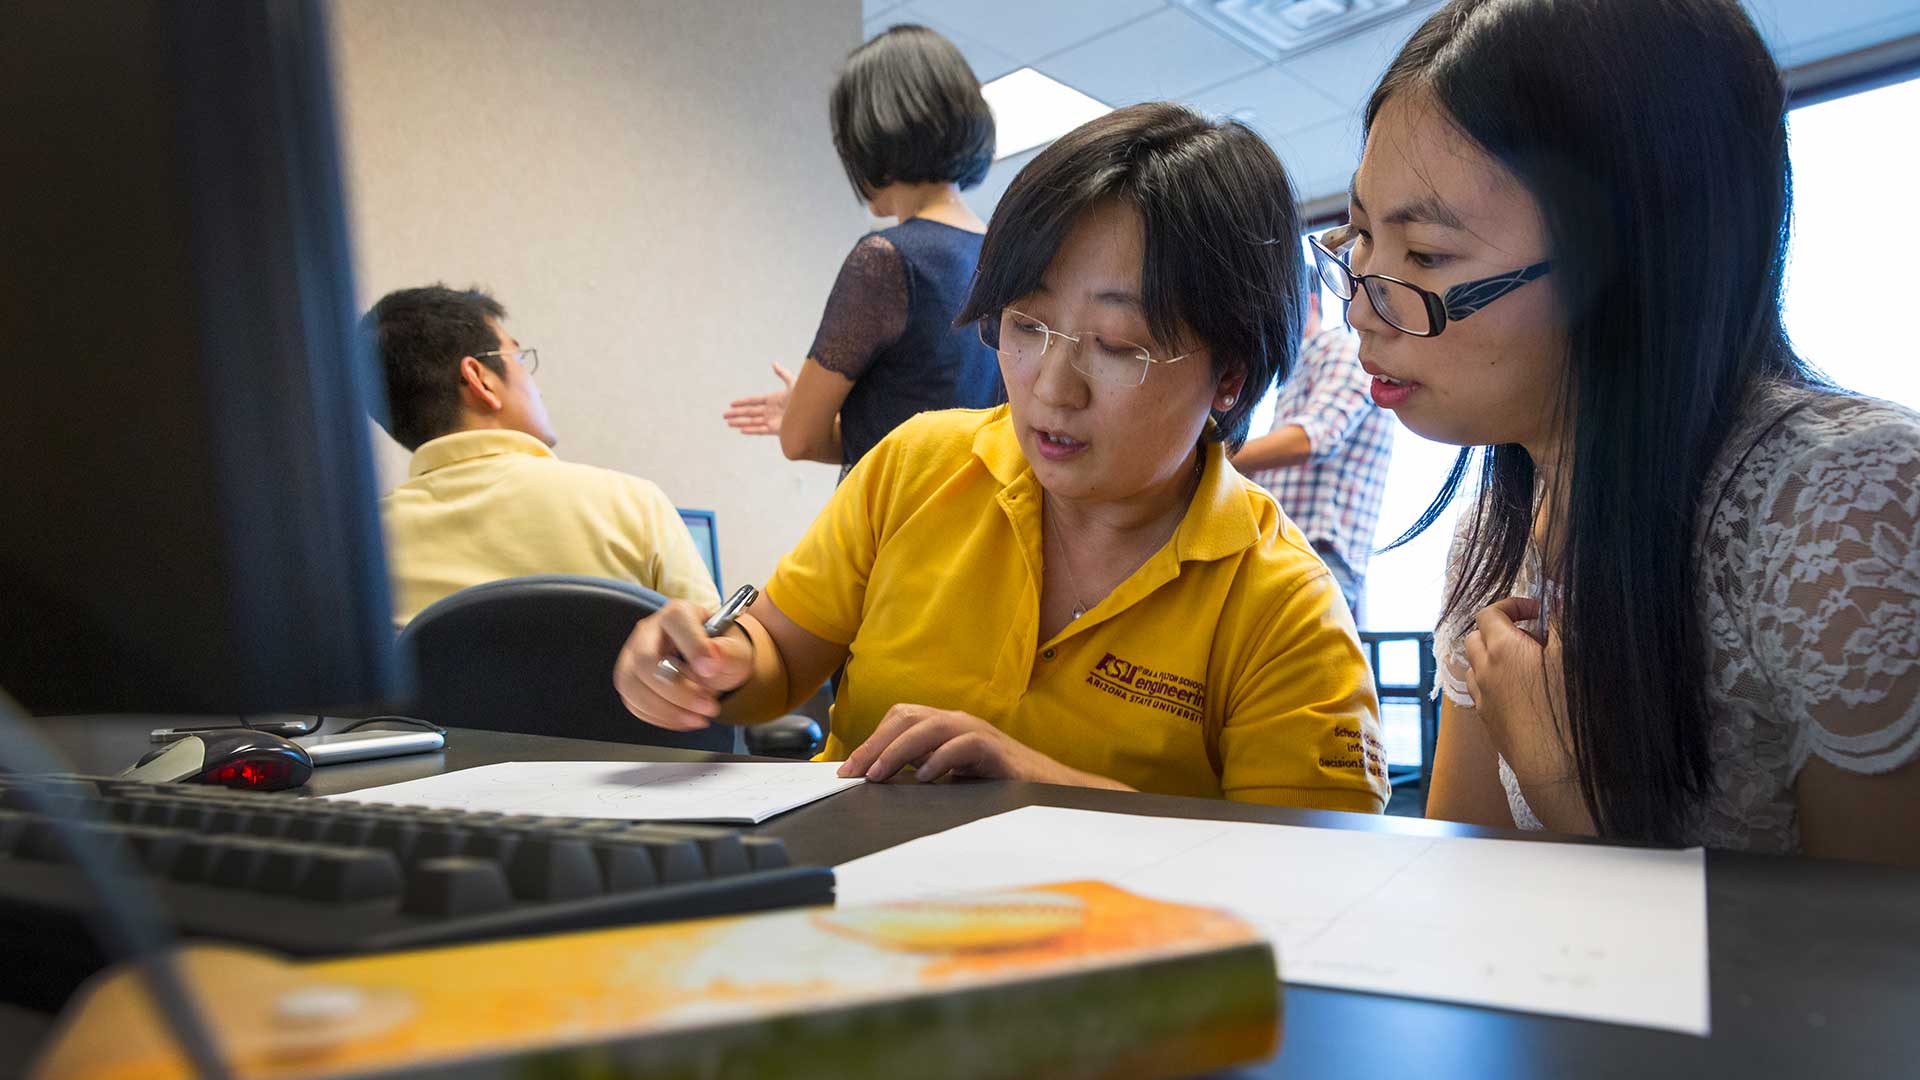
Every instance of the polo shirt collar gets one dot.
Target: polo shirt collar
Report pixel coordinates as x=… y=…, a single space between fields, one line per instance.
x=998 y=448
x=1220 y=519
x=466 y=445
x=1218 y=523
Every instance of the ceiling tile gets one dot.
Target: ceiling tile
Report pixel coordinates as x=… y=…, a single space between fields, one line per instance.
x=1030 y=30
x=1166 y=55
x=987 y=62
x=1320 y=160
x=1270 y=101
x=1346 y=70
x=1308 y=106
x=1788 y=21
x=1801 y=33
x=873 y=9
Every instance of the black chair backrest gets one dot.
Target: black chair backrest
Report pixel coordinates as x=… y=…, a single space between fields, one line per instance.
x=535 y=655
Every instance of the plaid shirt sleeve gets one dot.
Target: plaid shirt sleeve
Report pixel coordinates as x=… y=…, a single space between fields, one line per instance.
x=1337 y=397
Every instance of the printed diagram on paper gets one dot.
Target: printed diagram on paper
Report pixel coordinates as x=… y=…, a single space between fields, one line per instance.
x=727 y=792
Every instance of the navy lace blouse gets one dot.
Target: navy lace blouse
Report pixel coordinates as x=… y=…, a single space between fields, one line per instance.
x=889 y=327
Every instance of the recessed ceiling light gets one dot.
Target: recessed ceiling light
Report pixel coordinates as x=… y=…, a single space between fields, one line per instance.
x=1030 y=109
x=1277 y=29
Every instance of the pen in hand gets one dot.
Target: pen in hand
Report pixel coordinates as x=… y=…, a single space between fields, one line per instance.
x=718 y=623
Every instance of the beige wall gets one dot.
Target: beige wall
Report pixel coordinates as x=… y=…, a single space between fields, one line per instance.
x=648 y=186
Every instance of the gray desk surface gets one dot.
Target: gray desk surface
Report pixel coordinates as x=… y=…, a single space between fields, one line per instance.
x=1815 y=966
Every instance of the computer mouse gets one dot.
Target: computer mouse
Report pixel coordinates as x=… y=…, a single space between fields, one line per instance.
x=236 y=758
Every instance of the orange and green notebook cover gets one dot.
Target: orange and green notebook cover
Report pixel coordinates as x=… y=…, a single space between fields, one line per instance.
x=1071 y=980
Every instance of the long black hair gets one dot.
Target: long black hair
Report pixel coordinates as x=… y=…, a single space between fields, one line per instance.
x=907 y=108
x=1222 y=257
x=1652 y=133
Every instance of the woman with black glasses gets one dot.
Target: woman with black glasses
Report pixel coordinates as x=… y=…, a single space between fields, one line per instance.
x=1685 y=606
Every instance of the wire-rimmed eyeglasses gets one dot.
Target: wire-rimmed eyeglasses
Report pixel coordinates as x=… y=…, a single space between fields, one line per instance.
x=1098 y=356
x=529 y=358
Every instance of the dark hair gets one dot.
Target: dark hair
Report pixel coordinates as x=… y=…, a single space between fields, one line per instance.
x=420 y=336
x=906 y=108
x=1652 y=134
x=1222 y=261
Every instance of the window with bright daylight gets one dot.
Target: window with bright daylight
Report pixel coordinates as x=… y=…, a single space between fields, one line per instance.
x=1851 y=174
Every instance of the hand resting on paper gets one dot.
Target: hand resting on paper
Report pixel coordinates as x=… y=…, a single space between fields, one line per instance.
x=940 y=743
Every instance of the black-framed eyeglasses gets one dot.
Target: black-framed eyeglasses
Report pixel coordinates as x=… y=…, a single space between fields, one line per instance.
x=529 y=358
x=1403 y=305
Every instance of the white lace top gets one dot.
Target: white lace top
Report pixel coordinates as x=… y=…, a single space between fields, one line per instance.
x=1810 y=595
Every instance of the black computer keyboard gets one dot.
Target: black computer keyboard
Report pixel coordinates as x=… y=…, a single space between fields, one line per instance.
x=312 y=877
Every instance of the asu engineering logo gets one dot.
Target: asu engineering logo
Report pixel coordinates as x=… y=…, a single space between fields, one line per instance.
x=1138 y=685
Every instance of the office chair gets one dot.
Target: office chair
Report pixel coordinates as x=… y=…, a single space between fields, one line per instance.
x=789 y=736
x=535 y=655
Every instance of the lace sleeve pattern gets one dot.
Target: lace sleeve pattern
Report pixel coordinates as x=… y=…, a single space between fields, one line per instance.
x=1810 y=600
x=1833 y=615
x=867 y=310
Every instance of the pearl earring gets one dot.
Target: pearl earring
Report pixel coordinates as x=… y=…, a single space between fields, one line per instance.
x=1229 y=404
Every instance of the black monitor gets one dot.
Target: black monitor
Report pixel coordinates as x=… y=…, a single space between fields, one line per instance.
x=186 y=472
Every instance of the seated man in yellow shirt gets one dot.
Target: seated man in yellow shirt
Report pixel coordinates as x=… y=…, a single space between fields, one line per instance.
x=1076 y=587
x=485 y=497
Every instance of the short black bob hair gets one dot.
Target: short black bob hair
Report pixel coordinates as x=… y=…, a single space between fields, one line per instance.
x=907 y=109
x=1223 y=260
x=420 y=336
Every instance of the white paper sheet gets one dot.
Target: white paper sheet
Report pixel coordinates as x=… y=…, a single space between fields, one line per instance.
x=731 y=792
x=1599 y=933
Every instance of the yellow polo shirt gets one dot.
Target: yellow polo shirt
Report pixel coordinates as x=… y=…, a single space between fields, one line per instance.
x=1226 y=665
x=478 y=506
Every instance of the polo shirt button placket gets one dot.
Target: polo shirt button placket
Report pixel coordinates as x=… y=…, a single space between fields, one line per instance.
x=1048 y=654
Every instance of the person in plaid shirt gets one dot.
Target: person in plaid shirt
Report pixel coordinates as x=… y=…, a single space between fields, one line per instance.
x=1325 y=460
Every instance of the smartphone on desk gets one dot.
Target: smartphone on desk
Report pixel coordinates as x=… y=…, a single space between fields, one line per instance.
x=363 y=745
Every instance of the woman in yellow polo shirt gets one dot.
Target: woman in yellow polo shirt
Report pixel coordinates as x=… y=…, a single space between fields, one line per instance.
x=1076 y=587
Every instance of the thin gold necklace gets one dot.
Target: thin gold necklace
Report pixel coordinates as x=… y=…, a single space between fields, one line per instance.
x=1073 y=587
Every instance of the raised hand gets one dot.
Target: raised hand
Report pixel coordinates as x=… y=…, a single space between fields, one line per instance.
x=761 y=414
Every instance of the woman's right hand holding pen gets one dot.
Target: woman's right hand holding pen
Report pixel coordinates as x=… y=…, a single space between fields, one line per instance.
x=707 y=667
